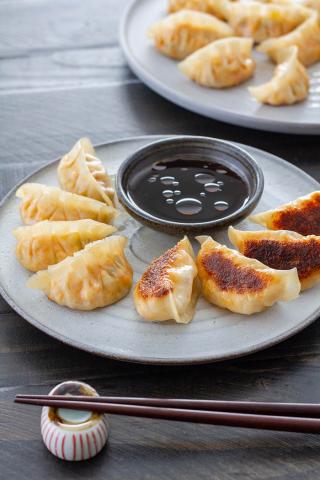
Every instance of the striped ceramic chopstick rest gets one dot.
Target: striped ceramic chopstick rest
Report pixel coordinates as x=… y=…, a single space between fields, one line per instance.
x=70 y=434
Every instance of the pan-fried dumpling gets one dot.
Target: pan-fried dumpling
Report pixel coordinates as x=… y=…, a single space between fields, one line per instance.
x=213 y=7
x=289 y=84
x=223 y=63
x=261 y=21
x=306 y=37
x=94 y=277
x=184 y=32
x=283 y=250
x=81 y=172
x=301 y=215
x=242 y=285
x=312 y=4
x=46 y=243
x=40 y=202
x=169 y=288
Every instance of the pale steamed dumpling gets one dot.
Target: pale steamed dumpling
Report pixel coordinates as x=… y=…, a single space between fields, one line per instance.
x=184 y=32
x=46 y=243
x=261 y=21
x=223 y=63
x=96 y=276
x=169 y=289
x=239 y=284
x=282 y=250
x=40 y=202
x=81 y=172
x=306 y=37
x=289 y=84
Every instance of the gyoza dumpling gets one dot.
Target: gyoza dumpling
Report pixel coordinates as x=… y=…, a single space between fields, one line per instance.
x=261 y=21
x=306 y=37
x=81 y=172
x=223 y=63
x=40 y=202
x=46 y=243
x=289 y=84
x=94 y=277
x=213 y=7
x=283 y=250
x=169 y=288
x=312 y=4
x=184 y=32
x=242 y=285
x=301 y=215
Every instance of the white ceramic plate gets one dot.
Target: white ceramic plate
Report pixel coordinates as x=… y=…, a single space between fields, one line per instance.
x=117 y=331
x=233 y=105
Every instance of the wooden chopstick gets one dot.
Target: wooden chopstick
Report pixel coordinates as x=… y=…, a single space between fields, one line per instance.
x=266 y=422
x=286 y=409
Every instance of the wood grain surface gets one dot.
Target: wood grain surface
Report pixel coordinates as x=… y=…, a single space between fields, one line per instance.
x=62 y=75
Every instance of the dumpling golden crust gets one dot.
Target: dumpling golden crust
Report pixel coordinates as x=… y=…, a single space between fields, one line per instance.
x=169 y=288
x=282 y=250
x=289 y=84
x=242 y=285
x=81 y=172
x=96 y=276
x=46 y=243
x=213 y=7
x=40 y=202
x=223 y=63
x=184 y=32
x=306 y=37
x=261 y=21
x=301 y=215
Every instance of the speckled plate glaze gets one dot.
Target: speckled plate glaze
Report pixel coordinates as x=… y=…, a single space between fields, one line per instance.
x=233 y=105
x=117 y=331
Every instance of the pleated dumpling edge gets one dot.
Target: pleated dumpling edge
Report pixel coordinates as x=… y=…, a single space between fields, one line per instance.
x=94 y=277
x=81 y=172
x=49 y=242
x=42 y=202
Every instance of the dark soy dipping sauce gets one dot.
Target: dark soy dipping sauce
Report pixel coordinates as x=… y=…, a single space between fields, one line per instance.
x=187 y=190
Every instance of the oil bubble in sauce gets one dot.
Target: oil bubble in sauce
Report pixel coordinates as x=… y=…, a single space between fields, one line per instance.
x=159 y=166
x=189 y=206
x=167 y=193
x=167 y=180
x=212 y=187
x=221 y=206
x=203 y=178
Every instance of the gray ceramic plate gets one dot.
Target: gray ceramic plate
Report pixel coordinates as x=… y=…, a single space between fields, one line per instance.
x=117 y=331
x=232 y=105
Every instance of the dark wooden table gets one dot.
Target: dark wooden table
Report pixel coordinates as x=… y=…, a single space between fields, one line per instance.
x=62 y=76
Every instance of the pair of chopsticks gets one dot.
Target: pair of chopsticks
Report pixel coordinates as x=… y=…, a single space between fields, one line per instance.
x=286 y=417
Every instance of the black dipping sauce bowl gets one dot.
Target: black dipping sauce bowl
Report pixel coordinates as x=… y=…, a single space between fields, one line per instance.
x=189 y=184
